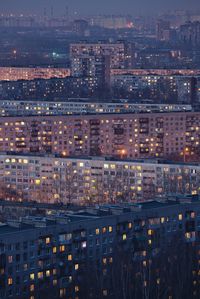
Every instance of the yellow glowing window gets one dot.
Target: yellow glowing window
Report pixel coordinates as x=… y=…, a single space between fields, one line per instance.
x=48 y=273
x=150 y=232
x=48 y=240
x=54 y=249
x=76 y=266
x=32 y=276
x=10 y=281
x=110 y=229
x=180 y=217
x=97 y=231
x=62 y=248
x=69 y=257
x=124 y=237
x=130 y=225
x=37 y=182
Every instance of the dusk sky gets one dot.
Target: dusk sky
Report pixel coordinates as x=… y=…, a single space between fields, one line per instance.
x=96 y=6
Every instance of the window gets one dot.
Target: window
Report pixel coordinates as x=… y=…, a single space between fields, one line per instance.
x=10 y=258
x=32 y=276
x=124 y=237
x=48 y=240
x=180 y=217
x=10 y=281
x=48 y=273
x=76 y=266
x=62 y=248
x=104 y=230
x=40 y=275
x=110 y=229
x=69 y=257
x=32 y=287
x=54 y=249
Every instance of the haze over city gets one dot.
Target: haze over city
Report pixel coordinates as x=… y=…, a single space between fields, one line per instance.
x=98 y=7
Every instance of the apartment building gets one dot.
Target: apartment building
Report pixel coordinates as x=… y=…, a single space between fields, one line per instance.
x=82 y=106
x=24 y=73
x=121 y=54
x=142 y=135
x=74 y=255
x=93 y=180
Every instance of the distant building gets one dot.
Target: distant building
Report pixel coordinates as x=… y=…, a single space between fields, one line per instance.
x=82 y=106
x=31 y=73
x=162 y=29
x=121 y=53
x=80 y=27
x=95 y=67
x=190 y=34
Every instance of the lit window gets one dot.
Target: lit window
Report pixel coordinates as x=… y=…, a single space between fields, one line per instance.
x=48 y=273
x=54 y=249
x=32 y=276
x=76 y=266
x=110 y=229
x=76 y=288
x=97 y=231
x=10 y=281
x=150 y=232
x=62 y=248
x=47 y=240
x=124 y=237
x=180 y=217
x=69 y=257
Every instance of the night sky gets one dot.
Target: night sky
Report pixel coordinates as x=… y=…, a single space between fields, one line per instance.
x=97 y=6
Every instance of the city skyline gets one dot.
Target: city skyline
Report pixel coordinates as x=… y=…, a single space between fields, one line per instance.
x=77 y=7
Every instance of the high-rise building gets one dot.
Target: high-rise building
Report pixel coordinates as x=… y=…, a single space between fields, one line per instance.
x=162 y=29
x=190 y=34
x=121 y=53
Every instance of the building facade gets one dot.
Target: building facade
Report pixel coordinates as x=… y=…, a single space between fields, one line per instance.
x=142 y=135
x=93 y=180
x=75 y=255
x=82 y=106
x=121 y=54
